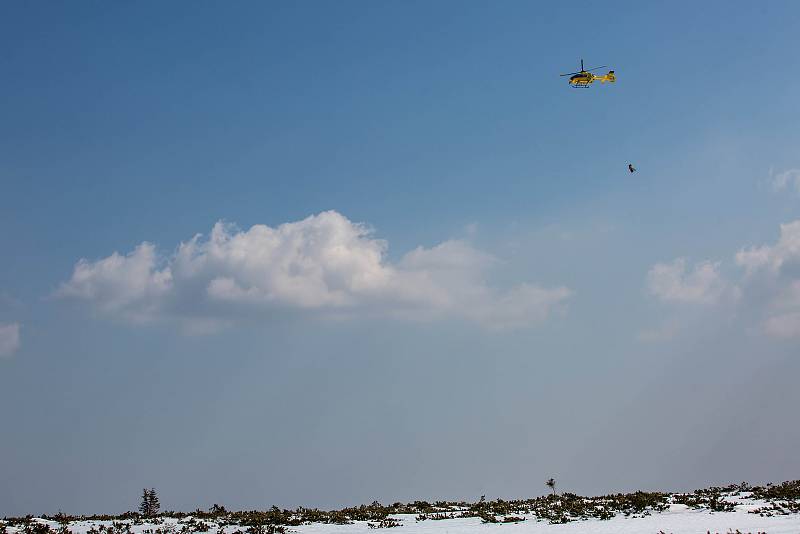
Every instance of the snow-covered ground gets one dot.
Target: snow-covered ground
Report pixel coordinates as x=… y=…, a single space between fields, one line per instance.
x=774 y=509
x=678 y=519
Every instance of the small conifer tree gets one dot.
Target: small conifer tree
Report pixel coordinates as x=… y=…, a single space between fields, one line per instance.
x=153 y=502
x=144 y=505
x=551 y=483
x=149 y=505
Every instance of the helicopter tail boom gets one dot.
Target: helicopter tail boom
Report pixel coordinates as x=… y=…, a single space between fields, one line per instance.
x=610 y=77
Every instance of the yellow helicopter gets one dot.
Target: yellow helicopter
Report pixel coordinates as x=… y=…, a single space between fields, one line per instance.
x=585 y=77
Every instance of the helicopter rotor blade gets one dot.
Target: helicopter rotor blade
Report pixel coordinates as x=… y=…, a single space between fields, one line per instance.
x=595 y=68
x=569 y=74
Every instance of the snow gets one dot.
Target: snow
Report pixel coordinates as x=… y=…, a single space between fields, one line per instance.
x=678 y=519
x=750 y=513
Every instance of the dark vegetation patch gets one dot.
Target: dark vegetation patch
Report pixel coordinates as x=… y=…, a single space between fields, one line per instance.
x=779 y=499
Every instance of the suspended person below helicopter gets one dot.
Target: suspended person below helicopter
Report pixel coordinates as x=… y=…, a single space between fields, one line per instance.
x=583 y=78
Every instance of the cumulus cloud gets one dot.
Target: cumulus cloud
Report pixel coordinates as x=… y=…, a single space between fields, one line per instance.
x=130 y=283
x=786 y=325
x=676 y=282
x=768 y=291
x=789 y=179
x=772 y=281
x=322 y=264
x=9 y=339
x=781 y=259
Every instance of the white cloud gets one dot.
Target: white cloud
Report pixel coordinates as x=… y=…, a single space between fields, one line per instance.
x=772 y=281
x=9 y=339
x=324 y=264
x=789 y=179
x=675 y=282
x=785 y=254
x=786 y=325
x=767 y=294
x=127 y=284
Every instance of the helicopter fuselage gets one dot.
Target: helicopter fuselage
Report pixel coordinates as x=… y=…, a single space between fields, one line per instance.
x=583 y=78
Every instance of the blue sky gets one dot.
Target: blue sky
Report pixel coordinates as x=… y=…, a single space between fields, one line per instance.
x=515 y=306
